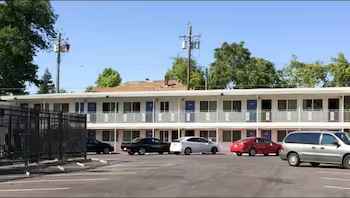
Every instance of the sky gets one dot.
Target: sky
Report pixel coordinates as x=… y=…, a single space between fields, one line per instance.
x=140 y=39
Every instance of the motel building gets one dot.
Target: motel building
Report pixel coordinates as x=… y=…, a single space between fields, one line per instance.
x=167 y=110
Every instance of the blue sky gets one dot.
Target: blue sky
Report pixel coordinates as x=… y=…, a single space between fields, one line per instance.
x=139 y=39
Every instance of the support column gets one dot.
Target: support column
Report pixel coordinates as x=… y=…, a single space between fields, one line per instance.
x=258 y=106
x=217 y=135
x=115 y=140
x=341 y=117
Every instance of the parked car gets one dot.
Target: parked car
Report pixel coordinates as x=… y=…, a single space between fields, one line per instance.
x=255 y=145
x=146 y=145
x=316 y=148
x=188 y=145
x=93 y=145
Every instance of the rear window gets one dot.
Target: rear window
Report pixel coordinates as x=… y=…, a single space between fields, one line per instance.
x=303 y=138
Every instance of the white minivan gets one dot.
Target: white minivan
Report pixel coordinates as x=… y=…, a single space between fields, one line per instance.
x=188 y=145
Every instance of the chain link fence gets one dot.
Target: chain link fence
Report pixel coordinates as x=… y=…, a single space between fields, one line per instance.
x=28 y=135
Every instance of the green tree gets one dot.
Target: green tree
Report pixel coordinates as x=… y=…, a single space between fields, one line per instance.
x=26 y=26
x=299 y=74
x=340 y=71
x=178 y=71
x=108 y=78
x=229 y=59
x=90 y=89
x=46 y=83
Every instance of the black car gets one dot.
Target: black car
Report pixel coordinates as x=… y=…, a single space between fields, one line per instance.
x=146 y=145
x=93 y=145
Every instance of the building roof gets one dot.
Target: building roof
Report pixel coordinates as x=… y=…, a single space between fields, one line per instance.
x=335 y=91
x=157 y=85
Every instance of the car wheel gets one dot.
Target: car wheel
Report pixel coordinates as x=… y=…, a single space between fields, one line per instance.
x=141 y=151
x=177 y=153
x=187 y=151
x=214 y=150
x=239 y=154
x=105 y=150
x=346 y=162
x=160 y=153
x=252 y=152
x=131 y=153
x=98 y=152
x=314 y=164
x=293 y=159
x=277 y=152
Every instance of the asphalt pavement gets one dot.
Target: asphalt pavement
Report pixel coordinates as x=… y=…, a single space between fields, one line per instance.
x=187 y=176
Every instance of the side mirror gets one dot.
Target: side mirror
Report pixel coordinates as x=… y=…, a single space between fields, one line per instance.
x=336 y=143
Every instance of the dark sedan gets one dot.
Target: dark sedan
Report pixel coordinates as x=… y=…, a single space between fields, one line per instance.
x=93 y=145
x=146 y=145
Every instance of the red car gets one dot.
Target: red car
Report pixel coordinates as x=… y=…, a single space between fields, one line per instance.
x=255 y=145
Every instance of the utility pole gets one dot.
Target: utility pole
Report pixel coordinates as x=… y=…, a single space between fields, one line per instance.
x=190 y=42
x=206 y=78
x=62 y=46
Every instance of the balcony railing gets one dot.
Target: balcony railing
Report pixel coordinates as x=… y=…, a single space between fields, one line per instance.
x=243 y=116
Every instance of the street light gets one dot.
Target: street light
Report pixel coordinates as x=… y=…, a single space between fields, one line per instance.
x=61 y=46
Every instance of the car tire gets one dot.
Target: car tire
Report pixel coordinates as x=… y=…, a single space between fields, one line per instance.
x=177 y=153
x=252 y=152
x=293 y=159
x=239 y=154
x=214 y=150
x=266 y=154
x=314 y=164
x=105 y=150
x=277 y=152
x=131 y=153
x=187 y=151
x=160 y=153
x=141 y=151
x=346 y=162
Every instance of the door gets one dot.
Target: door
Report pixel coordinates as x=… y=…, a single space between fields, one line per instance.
x=189 y=133
x=328 y=152
x=204 y=145
x=189 y=111
x=194 y=144
x=308 y=146
x=266 y=134
x=149 y=111
x=333 y=109
x=266 y=110
x=251 y=110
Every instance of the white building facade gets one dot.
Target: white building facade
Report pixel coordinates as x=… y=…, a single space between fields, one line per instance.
x=220 y=115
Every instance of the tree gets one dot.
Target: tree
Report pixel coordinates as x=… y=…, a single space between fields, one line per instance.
x=340 y=71
x=228 y=58
x=46 y=84
x=178 y=71
x=108 y=78
x=26 y=26
x=299 y=74
x=90 y=89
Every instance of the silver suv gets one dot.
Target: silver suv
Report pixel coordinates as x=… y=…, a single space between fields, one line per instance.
x=316 y=147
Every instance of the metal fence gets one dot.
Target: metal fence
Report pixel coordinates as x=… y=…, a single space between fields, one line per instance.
x=30 y=135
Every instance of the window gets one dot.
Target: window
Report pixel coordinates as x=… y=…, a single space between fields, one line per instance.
x=149 y=133
x=210 y=135
x=287 y=105
x=164 y=136
x=344 y=137
x=24 y=105
x=164 y=106
x=231 y=136
x=281 y=134
x=37 y=107
x=128 y=136
x=328 y=139
x=207 y=106
x=61 y=107
x=232 y=106
x=303 y=138
x=107 y=136
x=91 y=107
x=79 y=107
x=109 y=107
x=251 y=133
x=312 y=105
x=130 y=107
x=174 y=135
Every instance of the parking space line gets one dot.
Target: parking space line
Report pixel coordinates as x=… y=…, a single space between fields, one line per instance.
x=335 y=179
x=33 y=189
x=337 y=187
x=55 y=180
x=92 y=174
x=332 y=172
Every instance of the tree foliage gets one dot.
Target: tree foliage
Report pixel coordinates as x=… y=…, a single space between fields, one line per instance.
x=46 y=84
x=299 y=74
x=108 y=78
x=178 y=71
x=26 y=26
x=340 y=71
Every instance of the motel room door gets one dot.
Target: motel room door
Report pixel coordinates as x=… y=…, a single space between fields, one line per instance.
x=149 y=111
x=251 y=108
x=190 y=109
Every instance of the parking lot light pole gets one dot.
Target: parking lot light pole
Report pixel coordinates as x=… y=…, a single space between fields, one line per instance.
x=61 y=46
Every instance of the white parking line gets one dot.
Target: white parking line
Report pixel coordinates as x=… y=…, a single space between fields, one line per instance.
x=337 y=187
x=334 y=172
x=33 y=189
x=92 y=174
x=54 y=180
x=335 y=179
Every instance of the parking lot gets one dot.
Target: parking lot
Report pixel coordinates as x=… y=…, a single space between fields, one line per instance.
x=187 y=176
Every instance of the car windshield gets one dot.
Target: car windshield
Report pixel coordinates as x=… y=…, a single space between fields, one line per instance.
x=344 y=137
x=136 y=140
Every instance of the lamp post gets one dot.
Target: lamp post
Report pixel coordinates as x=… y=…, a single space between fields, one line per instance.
x=61 y=46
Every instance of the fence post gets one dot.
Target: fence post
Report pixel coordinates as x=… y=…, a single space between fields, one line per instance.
x=49 y=134
x=60 y=131
x=37 y=129
x=84 y=136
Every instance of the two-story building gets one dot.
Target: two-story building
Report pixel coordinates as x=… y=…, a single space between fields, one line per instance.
x=168 y=111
